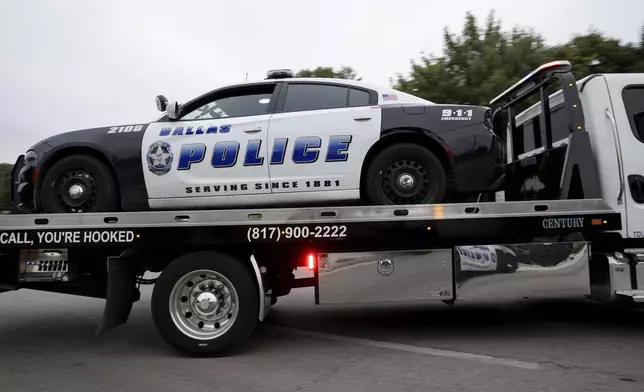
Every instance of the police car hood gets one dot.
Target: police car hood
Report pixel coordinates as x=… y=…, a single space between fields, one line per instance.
x=113 y=141
x=87 y=134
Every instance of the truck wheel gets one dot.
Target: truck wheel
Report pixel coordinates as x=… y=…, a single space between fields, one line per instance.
x=79 y=183
x=205 y=303
x=405 y=173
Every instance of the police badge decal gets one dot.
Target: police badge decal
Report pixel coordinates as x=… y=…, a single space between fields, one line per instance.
x=160 y=158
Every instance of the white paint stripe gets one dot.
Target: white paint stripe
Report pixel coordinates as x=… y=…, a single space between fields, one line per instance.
x=413 y=349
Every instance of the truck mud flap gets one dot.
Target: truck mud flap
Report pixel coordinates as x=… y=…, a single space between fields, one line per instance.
x=121 y=293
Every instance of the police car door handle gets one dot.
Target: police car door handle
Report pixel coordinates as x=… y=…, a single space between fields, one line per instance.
x=362 y=119
x=253 y=130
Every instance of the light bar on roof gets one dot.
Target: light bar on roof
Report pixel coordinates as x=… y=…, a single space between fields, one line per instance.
x=528 y=78
x=280 y=74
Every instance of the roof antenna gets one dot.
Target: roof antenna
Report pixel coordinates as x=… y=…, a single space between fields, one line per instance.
x=246 y=77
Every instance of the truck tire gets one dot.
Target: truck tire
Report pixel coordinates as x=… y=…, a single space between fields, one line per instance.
x=79 y=183
x=205 y=303
x=405 y=173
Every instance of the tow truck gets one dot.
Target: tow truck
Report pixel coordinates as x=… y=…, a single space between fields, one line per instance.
x=565 y=219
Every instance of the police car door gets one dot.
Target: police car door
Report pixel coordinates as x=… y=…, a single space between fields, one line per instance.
x=214 y=154
x=318 y=138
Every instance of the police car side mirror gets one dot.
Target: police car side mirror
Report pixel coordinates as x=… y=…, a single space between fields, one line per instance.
x=162 y=103
x=172 y=110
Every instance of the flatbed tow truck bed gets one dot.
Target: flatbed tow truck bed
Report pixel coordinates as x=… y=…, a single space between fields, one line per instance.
x=431 y=226
x=105 y=254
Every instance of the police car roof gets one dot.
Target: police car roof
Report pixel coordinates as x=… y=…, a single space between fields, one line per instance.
x=399 y=96
x=348 y=82
x=402 y=97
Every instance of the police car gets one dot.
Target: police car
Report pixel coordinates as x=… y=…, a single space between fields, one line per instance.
x=486 y=258
x=279 y=141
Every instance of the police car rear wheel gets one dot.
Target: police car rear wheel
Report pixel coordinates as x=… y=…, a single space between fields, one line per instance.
x=205 y=303
x=78 y=183
x=405 y=173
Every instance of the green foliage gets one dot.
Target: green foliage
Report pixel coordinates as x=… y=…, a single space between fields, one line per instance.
x=329 y=72
x=483 y=61
x=5 y=186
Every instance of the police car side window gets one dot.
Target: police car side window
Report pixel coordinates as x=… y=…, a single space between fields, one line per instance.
x=314 y=97
x=358 y=97
x=235 y=103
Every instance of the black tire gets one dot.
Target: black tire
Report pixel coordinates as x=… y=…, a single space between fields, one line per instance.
x=506 y=263
x=95 y=177
x=382 y=185
x=236 y=273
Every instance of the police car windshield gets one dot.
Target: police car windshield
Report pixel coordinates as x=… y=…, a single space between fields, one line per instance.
x=235 y=106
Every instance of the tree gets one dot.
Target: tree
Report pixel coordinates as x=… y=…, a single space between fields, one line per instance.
x=328 y=72
x=482 y=62
x=595 y=53
x=5 y=186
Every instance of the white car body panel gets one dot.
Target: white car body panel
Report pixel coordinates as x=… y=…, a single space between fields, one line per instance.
x=333 y=171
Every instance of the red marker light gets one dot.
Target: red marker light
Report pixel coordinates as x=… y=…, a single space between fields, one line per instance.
x=311 y=261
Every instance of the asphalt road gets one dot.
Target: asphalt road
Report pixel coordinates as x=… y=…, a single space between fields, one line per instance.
x=47 y=344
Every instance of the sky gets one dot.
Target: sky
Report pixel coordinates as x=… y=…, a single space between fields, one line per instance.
x=74 y=64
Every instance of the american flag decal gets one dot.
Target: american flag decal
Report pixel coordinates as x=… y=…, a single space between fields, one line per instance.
x=389 y=97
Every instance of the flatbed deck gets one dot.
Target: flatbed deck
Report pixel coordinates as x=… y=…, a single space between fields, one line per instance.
x=440 y=223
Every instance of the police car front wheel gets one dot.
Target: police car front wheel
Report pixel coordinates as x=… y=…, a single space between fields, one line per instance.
x=405 y=173
x=78 y=183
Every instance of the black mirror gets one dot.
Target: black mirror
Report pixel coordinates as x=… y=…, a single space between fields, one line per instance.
x=162 y=103
x=172 y=110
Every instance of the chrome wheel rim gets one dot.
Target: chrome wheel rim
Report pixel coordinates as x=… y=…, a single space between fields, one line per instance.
x=204 y=304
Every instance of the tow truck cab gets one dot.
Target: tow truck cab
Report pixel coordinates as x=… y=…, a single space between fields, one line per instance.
x=604 y=162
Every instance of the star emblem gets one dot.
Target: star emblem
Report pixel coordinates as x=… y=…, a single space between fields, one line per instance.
x=159 y=157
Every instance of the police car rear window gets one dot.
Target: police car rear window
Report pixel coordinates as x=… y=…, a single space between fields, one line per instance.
x=358 y=97
x=314 y=97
